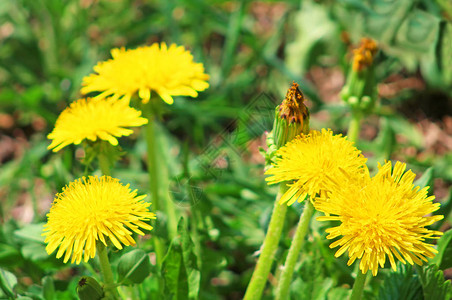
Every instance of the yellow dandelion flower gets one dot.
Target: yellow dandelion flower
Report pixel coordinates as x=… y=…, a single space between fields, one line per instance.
x=92 y=119
x=382 y=215
x=312 y=161
x=91 y=210
x=167 y=71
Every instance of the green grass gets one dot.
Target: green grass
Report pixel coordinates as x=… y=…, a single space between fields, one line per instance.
x=252 y=51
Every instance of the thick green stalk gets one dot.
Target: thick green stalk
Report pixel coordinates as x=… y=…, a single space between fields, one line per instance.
x=170 y=211
x=110 y=289
x=154 y=181
x=354 y=127
x=152 y=149
x=265 y=261
x=358 y=286
x=156 y=172
x=104 y=164
x=282 y=291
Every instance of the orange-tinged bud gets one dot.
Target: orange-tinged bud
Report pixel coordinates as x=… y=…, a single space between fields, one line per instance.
x=292 y=117
x=364 y=54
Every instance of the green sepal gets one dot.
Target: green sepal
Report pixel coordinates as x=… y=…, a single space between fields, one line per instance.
x=89 y=289
x=360 y=91
x=284 y=131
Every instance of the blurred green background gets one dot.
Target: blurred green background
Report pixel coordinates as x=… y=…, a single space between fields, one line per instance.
x=252 y=50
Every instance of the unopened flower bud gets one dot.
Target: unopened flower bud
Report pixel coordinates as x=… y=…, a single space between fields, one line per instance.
x=360 y=90
x=89 y=289
x=364 y=54
x=291 y=117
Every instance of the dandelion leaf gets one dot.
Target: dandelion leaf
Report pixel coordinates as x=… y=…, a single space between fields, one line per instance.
x=401 y=285
x=433 y=283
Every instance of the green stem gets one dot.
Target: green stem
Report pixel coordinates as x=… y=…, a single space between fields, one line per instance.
x=104 y=164
x=152 y=163
x=157 y=172
x=358 y=286
x=282 y=291
x=111 y=291
x=154 y=179
x=159 y=254
x=264 y=263
x=159 y=250
x=354 y=127
x=170 y=211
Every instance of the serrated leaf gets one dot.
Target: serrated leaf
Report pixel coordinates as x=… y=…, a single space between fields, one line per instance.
x=179 y=268
x=310 y=281
x=173 y=273
x=190 y=261
x=401 y=285
x=443 y=259
x=418 y=32
x=386 y=18
x=134 y=267
x=434 y=285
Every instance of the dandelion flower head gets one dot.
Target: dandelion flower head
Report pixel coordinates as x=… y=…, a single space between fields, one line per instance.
x=94 y=119
x=385 y=215
x=167 y=71
x=312 y=161
x=94 y=209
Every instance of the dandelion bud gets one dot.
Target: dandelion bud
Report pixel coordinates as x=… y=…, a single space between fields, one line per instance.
x=364 y=54
x=360 y=89
x=291 y=117
x=89 y=289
